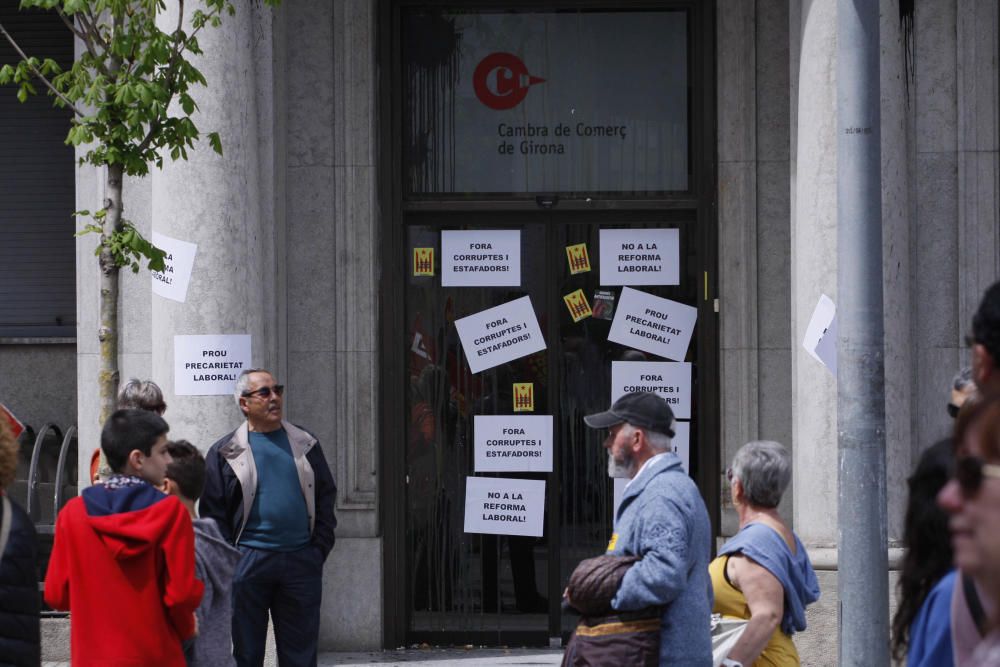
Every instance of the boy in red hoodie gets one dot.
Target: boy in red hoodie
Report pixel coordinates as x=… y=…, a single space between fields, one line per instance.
x=123 y=558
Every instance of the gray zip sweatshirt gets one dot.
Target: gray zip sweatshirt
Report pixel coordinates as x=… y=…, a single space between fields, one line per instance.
x=215 y=562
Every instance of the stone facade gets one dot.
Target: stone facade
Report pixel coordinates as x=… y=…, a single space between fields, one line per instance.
x=288 y=226
x=939 y=118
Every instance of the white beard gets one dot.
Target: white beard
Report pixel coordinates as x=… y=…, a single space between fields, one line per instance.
x=619 y=470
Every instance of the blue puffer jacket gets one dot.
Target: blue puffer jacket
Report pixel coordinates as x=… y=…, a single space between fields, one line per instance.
x=19 y=597
x=663 y=519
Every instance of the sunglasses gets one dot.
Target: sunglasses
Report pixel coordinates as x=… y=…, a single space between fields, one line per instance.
x=970 y=473
x=265 y=392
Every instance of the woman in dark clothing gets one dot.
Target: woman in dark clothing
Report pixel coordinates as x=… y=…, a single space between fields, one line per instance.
x=19 y=600
x=928 y=552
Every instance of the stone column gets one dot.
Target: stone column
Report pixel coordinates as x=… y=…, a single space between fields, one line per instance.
x=813 y=267
x=978 y=97
x=737 y=146
x=897 y=213
x=216 y=202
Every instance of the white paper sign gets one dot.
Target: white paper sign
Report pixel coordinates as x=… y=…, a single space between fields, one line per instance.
x=653 y=324
x=508 y=443
x=640 y=257
x=826 y=348
x=500 y=334
x=822 y=316
x=681 y=443
x=502 y=506
x=670 y=380
x=209 y=365
x=172 y=282
x=820 y=340
x=481 y=258
x=618 y=490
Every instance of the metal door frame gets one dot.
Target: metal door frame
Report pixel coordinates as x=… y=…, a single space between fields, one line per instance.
x=701 y=200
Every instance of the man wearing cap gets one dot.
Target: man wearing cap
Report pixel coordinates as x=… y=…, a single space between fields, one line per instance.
x=662 y=518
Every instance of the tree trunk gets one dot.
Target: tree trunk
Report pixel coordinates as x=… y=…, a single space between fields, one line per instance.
x=107 y=333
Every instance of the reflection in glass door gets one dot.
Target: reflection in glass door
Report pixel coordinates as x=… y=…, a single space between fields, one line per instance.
x=498 y=588
x=460 y=581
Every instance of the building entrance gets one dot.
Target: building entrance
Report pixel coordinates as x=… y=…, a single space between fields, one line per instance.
x=555 y=243
x=501 y=587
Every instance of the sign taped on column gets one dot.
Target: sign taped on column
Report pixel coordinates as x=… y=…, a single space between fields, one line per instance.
x=500 y=334
x=653 y=324
x=208 y=365
x=506 y=443
x=820 y=339
x=423 y=261
x=670 y=380
x=172 y=282
x=504 y=506
x=681 y=443
x=481 y=258
x=640 y=257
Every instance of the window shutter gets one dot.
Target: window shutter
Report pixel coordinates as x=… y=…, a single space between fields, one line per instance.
x=37 y=189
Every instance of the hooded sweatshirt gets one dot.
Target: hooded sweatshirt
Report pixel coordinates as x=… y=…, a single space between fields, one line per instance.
x=215 y=562
x=123 y=564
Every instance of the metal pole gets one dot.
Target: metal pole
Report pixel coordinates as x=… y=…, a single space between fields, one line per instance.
x=863 y=563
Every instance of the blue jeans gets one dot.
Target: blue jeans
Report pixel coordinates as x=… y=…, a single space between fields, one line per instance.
x=289 y=584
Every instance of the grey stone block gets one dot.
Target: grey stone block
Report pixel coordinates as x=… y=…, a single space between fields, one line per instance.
x=738 y=254
x=774 y=246
x=934 y=62
x=311 y=91
x=936 y=259
x=352 y=596
x=355 y=259
x=312 y=257
x=354 y=82
x=772 y=80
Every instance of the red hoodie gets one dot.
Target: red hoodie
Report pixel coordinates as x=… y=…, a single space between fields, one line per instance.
x=123 y=565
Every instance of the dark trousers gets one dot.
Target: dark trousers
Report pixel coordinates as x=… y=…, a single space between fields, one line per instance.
x=289 y=584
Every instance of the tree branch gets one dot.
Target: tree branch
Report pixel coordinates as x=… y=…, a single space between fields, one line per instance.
x=88 y=19
x=86 y=36
x=154 y=128
x=34 y=70
x=90 y=27
x=69 y=24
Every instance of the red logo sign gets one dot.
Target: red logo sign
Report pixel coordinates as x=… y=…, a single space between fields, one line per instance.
x=501 y=81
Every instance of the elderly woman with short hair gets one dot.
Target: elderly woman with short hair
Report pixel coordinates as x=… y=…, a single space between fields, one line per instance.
x=763 y=574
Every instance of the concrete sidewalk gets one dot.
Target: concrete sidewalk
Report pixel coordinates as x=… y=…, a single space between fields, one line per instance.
x=442 y=657
x=432 y=657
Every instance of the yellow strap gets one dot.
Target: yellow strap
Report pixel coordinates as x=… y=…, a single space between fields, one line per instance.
x=618 y=627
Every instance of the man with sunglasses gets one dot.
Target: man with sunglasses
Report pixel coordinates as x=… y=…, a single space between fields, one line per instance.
x=268 y=486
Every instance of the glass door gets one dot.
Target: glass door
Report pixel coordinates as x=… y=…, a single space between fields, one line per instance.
x=465 y=582
x=465 y=586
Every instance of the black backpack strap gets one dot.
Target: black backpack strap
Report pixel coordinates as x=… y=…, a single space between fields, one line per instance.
x=974 y=604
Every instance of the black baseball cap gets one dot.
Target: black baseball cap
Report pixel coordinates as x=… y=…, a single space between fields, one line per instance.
x=641 y=408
